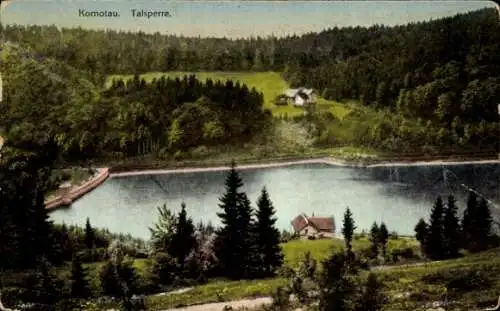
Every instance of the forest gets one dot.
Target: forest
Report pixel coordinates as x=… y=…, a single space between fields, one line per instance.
x=430 y=87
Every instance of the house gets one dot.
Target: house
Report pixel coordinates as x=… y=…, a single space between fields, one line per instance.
x=301 y=96
x=314 y=227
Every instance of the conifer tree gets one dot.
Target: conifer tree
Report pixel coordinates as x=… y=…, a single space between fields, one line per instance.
x=348 y=228
x=374 y=240
x=267 y=235
x=435 y=238
x=248 y=248
x=469 y=221
x=383 y=237
x=231 y=246
x=89 y=237
x=421 y=234
x=183 y=240
x=79 y=283
x=484 y=226
x=451 y=229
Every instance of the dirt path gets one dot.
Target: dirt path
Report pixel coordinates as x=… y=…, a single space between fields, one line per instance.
x=218 y=306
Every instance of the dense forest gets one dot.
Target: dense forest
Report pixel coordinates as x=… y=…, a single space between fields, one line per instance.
x=435 y=84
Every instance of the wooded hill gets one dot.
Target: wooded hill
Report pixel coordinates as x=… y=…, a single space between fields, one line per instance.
x=436 y=82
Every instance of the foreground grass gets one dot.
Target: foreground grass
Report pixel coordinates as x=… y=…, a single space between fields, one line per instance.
x=466 y=283
x=271 y=84
x=293 y=251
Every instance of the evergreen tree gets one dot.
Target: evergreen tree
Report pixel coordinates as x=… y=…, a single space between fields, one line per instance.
x=231 y=246
x=421 y=234
x=184 y=239
x=89 y=237
x=372 y=297
x=451 y=229
x=374 y=240
x=43 y=286
x=79 y=283
x=348 y=228
x=469 y=221
x=248 y=247
x=267 y=236
x=383 y=238
x=483 y=232
x=337 y=286
x=435 y=238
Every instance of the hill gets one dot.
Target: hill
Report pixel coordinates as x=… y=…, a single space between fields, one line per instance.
x=465 y=283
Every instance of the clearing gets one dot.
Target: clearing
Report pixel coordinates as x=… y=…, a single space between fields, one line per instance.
x=271 y=84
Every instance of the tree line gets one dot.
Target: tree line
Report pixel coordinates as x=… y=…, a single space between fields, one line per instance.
x=446 y=234
x=164 y=117
x=245 y=246
x=439 y=75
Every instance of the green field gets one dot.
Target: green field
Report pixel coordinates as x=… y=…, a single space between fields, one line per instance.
x=269 y=83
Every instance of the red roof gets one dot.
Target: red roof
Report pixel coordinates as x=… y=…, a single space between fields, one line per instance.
x=320 y=223
x=299 y=222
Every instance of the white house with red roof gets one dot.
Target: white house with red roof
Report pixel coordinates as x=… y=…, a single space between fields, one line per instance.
x=314 y=226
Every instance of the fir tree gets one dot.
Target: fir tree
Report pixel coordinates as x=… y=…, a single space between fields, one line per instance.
x=451 y=229
x=469 y=221
x=231 y=246
x=348 y=228
x=248 y=248
x=483 y=222
x=89 y=237
x=79 y=283
x=383 y=237
x=374 y=240
x=421 y=234
x=435 y=238
x=267 y=236
x=183 y=240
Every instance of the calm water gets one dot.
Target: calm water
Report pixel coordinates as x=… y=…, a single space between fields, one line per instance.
x=399 y=196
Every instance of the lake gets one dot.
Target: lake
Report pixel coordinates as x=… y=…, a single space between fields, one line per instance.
x=399 y=196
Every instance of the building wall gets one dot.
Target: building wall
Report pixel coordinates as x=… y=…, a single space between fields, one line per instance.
x=308 y=231
x=299 y=101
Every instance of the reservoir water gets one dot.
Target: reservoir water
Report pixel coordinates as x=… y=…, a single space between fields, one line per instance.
x=399 y=195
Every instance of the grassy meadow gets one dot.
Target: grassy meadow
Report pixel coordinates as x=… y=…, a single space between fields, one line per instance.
x=271 y=84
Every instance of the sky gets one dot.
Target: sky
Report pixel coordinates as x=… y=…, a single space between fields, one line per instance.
x=233 y=19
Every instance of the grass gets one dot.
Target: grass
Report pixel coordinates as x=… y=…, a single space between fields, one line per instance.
x=470 y=281
x=293 y=251
x=271 y=84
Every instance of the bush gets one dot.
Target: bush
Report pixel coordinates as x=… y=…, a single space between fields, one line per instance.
x=463 y=280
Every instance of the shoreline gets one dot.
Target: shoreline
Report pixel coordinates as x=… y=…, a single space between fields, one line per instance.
x=79 y=191
x=276 y=164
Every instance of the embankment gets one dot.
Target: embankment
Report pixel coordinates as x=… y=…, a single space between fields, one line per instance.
x=329 y=161
x=79 y=191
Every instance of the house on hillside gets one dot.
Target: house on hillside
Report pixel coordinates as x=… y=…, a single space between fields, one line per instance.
x=301 y=96
x=313 y=227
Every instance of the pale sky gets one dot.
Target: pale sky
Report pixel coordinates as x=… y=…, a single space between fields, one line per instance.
x=234 y=18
